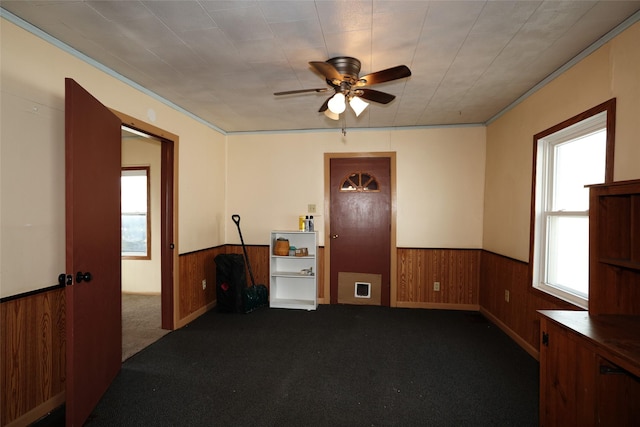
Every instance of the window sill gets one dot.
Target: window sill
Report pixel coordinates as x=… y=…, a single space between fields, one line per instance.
x=554 y=294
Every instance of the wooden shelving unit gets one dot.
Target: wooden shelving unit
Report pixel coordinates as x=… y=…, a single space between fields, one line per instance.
x=614 y=248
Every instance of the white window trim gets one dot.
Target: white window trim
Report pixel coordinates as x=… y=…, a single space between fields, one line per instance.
x=544 y=176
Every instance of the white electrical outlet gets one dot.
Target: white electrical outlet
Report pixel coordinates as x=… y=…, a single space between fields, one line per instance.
x=506 y=295
x=436 y=286
x=204 y=284
x=311 y=208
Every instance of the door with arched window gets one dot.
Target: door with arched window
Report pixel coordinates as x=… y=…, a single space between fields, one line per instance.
x=360 y=222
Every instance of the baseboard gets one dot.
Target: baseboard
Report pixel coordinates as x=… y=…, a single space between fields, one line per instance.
x=438 y=305
x=514 y=336
x=155 y=294
x=193 y=316
x=430 y=305
x=39 y=411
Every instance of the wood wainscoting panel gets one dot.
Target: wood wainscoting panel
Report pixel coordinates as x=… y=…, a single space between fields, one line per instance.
x=32 y=354
x=194 y=268
x=320 y=278
x=518 y=317
x=457 y=271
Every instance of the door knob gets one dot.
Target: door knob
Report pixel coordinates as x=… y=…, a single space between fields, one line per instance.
x=83 y=277
x=334 y=236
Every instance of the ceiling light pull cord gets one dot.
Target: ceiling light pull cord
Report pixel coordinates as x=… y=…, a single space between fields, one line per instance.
x=344 y=125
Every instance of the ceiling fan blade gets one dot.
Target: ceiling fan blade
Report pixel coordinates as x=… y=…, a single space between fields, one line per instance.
x=375 y=96
x=394 y=73
x=291 y=92
x=327 y=70
x=325 y=105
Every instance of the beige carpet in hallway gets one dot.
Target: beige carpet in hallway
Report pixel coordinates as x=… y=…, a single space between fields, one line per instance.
x=141 y=320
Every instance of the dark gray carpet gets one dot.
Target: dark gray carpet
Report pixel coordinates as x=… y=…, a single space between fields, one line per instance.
x=337 y=366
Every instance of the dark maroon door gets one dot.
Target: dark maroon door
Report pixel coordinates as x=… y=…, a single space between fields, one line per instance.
x=93 y=304
x=360 y=228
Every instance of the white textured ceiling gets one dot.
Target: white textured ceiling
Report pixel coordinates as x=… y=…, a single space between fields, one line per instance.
x=223 y=60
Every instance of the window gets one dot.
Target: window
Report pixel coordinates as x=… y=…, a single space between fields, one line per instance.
x=359 y=182
x=136 y=218
x=573 y=154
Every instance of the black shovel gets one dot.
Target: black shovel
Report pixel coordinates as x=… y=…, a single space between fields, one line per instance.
x=254 y=296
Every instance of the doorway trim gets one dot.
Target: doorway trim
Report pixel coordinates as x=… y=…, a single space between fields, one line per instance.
x=393 y=262
x=169 y=223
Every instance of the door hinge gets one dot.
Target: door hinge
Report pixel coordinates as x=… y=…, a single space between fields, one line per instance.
x=545 y=339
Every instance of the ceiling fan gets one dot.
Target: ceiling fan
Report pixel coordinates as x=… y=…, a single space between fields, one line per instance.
x=341 y=73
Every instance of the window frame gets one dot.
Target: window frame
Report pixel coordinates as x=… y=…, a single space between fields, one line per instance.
x=539 y=164
x=147 y=256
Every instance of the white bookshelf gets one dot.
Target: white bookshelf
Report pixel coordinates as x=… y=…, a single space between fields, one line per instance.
x=289 y=287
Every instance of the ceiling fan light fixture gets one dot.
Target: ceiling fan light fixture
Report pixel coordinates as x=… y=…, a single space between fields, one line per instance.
x=337 y=103
x=342 y=74
x=331 y=115
x=358 y=105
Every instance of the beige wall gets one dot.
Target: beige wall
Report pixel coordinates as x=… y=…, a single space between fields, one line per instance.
x=440 y=182
x=32 y=158
x=447 y=195
x=611 y=71
x=144 y=275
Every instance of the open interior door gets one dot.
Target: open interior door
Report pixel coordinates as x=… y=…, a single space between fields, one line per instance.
x=93 y=301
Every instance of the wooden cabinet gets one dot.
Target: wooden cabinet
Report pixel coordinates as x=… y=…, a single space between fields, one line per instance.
x=589 y=369
x=293 y=279
x=590 y=360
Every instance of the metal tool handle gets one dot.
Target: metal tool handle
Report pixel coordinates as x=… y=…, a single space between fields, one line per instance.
x=236 y=219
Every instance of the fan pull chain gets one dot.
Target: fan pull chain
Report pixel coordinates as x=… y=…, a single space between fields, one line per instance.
x=344 y=125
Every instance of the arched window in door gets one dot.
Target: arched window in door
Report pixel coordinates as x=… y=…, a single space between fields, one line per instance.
x=360 y=182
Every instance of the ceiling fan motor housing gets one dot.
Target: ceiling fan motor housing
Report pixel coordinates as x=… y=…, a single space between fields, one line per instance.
x=347 y=66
